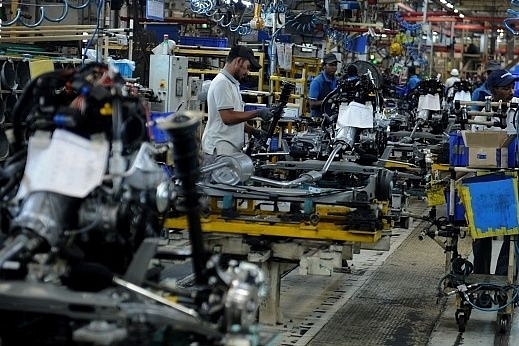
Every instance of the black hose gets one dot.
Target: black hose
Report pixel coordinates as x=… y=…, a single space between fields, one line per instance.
x=182 y=131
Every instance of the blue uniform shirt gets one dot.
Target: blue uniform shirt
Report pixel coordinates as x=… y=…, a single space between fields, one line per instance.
x=412 y=82
x=320 y=86
x=479 y=94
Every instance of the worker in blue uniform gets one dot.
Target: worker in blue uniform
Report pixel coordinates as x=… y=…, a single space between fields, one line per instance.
x=412 y=78
x=500 y=84
x=481 y=92
x=322 y=84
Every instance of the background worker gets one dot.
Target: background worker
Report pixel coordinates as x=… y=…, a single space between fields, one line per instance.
x=224 y=133
x=482 y=91
x=500 y=84
x=412 y=78
x=449 y=82
x=322 y=84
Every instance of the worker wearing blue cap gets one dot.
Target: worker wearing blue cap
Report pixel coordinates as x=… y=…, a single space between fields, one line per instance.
x=482 y=91
x=501 y=85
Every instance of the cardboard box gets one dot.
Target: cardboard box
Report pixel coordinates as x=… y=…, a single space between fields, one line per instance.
x=487 y=149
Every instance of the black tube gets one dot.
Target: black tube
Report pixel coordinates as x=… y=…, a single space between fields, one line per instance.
x=286 y=90
x=182 y=130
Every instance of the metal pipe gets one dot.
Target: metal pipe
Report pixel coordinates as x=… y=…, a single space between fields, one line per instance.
x=307 y=177
x=214 y=166
x=137 y=289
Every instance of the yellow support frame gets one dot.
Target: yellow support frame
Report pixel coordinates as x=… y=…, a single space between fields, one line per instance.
x=321 y=231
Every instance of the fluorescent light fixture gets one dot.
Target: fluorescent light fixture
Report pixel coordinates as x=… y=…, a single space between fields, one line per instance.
x=461 y=15
x=245 y=2
x=449 y=5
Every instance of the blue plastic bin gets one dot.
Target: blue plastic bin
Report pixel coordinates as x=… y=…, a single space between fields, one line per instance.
x=156 y=134
x=221 y=42
x=458 y=152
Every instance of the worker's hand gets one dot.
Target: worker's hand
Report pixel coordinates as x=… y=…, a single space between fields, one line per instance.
x=277 y=109
x=265 y=114
x=259 y=134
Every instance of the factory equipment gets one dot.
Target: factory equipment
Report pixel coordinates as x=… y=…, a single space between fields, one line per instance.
x=349 y=121
x=427 y=98
x=479 y=187
x=327 y=192
x=169 y=81
x=83 y=201
x=309 y=199
x=483 y=292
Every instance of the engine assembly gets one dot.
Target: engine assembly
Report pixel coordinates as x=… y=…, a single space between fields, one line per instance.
x=83 y=204
x=322 y=176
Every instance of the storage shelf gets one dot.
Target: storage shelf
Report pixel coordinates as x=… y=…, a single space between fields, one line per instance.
x=219 y=53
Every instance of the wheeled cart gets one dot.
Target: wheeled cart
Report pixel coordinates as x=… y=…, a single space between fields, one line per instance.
x=491 y=210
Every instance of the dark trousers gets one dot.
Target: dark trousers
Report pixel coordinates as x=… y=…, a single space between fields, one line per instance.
x=482 y=250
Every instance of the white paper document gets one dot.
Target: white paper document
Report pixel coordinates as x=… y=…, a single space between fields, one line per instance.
x=355 y=114
x=429 y=102
x=64 y=163
x=463 y=96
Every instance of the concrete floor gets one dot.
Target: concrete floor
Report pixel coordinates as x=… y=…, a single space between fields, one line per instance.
x=324 y=310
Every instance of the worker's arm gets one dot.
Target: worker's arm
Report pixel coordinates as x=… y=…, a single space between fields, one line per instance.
x=315 y=104
x=231 y=117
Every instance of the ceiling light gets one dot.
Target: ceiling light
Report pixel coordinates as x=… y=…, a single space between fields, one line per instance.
x=461 y=15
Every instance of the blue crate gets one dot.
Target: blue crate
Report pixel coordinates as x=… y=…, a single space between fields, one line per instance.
x=157 y=135
x=125 y=67
x=458 y=151
x=221 y=42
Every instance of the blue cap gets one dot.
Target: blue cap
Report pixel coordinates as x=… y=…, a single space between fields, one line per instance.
x=500 y=78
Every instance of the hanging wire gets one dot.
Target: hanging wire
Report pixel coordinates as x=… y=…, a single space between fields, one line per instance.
x=231 y=14
x=512 y=21
x=404 y=25
x=100 y=4
x=42 y=15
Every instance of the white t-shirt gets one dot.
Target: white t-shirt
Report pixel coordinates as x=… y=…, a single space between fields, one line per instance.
x=218 y=138
x=450 y=81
